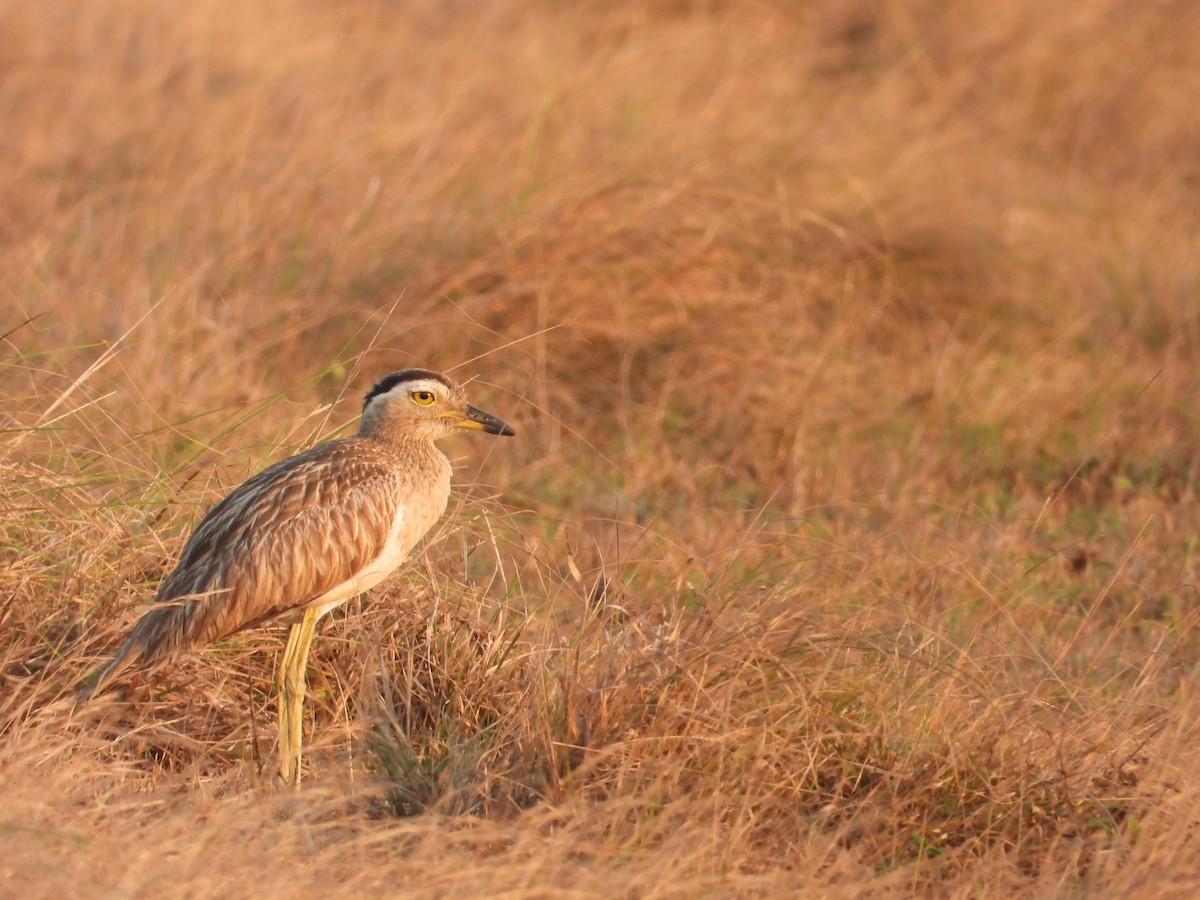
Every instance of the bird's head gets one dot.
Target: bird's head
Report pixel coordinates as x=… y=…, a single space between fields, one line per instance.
x=425 y=405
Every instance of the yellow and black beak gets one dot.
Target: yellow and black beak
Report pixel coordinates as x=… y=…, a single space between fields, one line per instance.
x=478 y=420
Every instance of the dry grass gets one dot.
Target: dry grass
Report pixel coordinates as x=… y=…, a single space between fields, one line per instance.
x=849 y=543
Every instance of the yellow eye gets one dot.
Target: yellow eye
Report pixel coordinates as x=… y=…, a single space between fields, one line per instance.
x=423 y=397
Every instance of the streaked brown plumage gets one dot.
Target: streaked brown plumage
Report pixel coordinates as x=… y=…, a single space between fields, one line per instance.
x=307 y=533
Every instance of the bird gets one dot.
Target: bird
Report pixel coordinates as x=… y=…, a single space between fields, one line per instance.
x=305 y=535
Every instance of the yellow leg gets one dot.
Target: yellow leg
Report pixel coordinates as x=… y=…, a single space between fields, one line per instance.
x=291 y=684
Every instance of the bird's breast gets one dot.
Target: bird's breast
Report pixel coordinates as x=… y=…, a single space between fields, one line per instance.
x=416 y=508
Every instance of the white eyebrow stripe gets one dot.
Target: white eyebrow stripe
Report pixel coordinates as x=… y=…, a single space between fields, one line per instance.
x=437 y=388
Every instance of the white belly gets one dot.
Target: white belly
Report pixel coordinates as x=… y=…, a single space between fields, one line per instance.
x=409 y=526
x=394 y=552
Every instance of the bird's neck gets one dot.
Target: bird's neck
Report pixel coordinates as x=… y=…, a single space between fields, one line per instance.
x=400 y=440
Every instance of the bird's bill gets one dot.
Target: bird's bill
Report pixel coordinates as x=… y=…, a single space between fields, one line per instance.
x=478 y=420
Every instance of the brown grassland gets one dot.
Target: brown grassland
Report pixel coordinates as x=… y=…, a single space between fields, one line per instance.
x=849 y=541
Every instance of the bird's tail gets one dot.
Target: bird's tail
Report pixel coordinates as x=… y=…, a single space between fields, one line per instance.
x=155 y=638
x=103 y=676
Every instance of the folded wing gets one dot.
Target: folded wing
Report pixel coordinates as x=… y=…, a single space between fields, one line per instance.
x=276 y=544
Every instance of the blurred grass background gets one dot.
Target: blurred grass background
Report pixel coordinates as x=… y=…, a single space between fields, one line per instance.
x=849 y=540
